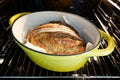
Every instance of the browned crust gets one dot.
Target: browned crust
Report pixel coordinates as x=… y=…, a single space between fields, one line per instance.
x=56 y=42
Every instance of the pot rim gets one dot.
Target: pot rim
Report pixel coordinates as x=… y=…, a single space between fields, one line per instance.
x=57 y=54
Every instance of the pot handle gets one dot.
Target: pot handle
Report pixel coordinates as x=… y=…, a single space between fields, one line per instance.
x=104 y=52
x=16 y=16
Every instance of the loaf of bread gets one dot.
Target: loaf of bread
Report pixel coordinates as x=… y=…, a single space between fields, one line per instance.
x=56 y=38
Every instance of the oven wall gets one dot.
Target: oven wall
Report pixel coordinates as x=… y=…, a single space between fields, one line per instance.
x=83 y=7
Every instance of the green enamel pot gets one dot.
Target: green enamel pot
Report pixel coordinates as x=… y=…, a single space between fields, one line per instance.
x=23 y=22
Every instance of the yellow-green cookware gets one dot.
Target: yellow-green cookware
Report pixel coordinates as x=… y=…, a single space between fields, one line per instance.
x=23 y=22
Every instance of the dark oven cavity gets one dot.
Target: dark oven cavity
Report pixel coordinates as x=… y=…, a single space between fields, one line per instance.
x=105 y=14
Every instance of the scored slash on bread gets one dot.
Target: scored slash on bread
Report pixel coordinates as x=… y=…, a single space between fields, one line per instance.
x=56 y=38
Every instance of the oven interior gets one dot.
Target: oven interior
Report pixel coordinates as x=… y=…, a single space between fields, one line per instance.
x=105 y=14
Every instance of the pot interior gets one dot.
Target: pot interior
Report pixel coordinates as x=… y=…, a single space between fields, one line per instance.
x=85 y=28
